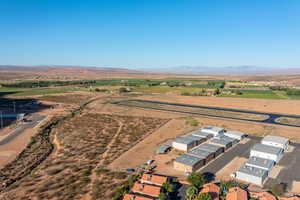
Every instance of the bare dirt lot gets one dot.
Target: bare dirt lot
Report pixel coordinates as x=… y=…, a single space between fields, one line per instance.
x=263 y=105
x=88 y=142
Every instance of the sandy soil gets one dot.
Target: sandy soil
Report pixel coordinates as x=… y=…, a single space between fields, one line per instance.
x=296 y=187
x=145 y=150
x=262 y=105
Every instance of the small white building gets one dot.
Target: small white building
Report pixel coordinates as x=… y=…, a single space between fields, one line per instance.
x=213 y=130
x=252 y=175
x=198 y=133
x=235 y=134
x=266 y=152
x=184 y=143
x=260 y=163
x=276 y=141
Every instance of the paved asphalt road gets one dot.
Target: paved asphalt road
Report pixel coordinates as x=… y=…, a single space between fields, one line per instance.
x=239 y=150
x=271 y=117
x=35 y=120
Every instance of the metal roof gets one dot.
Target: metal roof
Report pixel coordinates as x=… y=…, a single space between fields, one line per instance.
x=201 y=134
x=184 y=140
x=252 y=171
x=236 y=133
x=209 y=147
x=162 y=148
x=201 y=153
x=192 y=137
x=261 y=162
x=230 y=139
x=267 y=149
x=188 y=159
x=221 y=141
x=275 y=139
x=212 y=128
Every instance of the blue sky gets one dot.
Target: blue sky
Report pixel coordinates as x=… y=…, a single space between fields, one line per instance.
x=150 y=33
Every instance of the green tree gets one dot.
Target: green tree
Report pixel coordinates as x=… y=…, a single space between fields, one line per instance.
x=168 y=187
x=162 y=196
x=204 y=196
x=217 y=91
x=196 y=179
x=122 y=90
x=191 y=192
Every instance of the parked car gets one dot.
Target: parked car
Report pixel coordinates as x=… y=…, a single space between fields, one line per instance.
x=130 y=170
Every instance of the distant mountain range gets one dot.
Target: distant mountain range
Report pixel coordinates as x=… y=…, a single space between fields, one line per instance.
x=185 y=70
x=229 y=70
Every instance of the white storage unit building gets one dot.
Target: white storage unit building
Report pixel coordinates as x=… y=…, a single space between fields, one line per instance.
x=188 y=163
x=216 y=150
x=198 y=140
x=235 y=134
x=260 y=163
x=252 y=175
x=207 y=155
x=221 y=142
x=276 y=141
x=184 y=143
x=213 y=130
x=198 y=133
x=266 y=152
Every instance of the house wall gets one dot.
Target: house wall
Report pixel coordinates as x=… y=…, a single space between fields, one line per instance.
x=182 y=167
x=283 y=146
x=260 y=167
x=250 y=178
x=274 y=157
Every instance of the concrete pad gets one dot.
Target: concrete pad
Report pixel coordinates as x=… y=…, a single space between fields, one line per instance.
x=231 y=167
x=244 y=141
x=275 y=171
x=296 y=187
x=290 y=149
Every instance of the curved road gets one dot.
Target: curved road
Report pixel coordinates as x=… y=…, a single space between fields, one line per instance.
x=271 y=117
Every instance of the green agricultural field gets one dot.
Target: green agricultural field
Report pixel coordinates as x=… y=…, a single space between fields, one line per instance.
x=258 y=94
x=37 y=91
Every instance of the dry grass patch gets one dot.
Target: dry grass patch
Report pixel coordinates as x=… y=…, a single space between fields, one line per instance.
x=84 y=140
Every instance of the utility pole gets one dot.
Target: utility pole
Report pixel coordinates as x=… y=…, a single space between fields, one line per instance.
x=1 y=119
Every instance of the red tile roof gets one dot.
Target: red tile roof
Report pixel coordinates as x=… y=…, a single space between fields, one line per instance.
x=211 y=189
x=150 y=190
x=154 y=179
x=236 y=193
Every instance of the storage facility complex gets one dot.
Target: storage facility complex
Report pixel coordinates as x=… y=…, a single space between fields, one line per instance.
x=216 y=150
x=185 y=143
x=262 y=158
x=221 y=142
x=235 y=134
x=213 y=130
x=207 y=155
x=266 y=152
x=252 y=174
x=276 y=141
x=261 y=163
x=198 y=133
x=188 y=163
x=202 y=146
